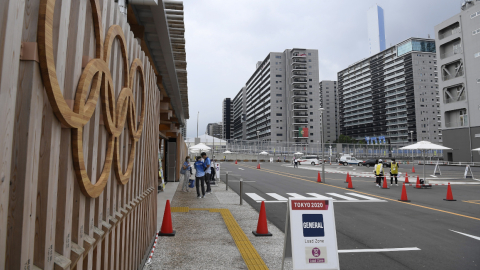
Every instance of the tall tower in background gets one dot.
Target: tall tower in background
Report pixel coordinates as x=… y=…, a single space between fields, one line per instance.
x=376 y=30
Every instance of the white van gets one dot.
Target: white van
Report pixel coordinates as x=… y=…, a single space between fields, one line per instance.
x=349 y=160
x=312 y=159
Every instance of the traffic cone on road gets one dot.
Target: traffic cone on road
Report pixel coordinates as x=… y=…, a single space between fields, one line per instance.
x=449 y=194
x=262 y=228
x=319 y=178
x=406 y=178
x=348 y=178
x=413 y=169
x=235 y=161
x=385 y=185
x=167 y=229
x=404 y=197
x=258 y=166
x=418 y=183
x=350 y=185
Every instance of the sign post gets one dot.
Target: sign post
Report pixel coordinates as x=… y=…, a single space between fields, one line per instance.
x=217 y=171
x=310 y=234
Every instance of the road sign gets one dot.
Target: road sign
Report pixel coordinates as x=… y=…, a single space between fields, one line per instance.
x=468 y=172
x=310 y=234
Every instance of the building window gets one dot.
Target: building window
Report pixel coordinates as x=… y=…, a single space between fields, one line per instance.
x=310 y=93
x=477 y=54
x=309 y=80
x=279 y=95
x=311 y=126
x=278 y=76
x=311 y=113
x=279 y=134
x=279 y=114
x=278 y=57
x=311 y=134
x=309 y=54
x=309 y=86
x=311 y=120
x=309 y=60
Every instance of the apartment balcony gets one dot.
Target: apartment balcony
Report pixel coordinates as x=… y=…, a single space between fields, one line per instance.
x=397 y=128
x=396 y=122
x=299 y=87
x=396 y=117
x=300 y=115
x=394 y=75
x=300 y=121
x=450 y=30
x=300 y=108
x=299 y=74
x=299 y=80
x=456 y=124
x=299 y=67
x=299 y=55
x=393 y=64
x=395 y=99
x=299 y=94
x=397 y=110
x=394 y=87
x=396 y=93
x=395 y=81
x=298 y=61
x=299 y=100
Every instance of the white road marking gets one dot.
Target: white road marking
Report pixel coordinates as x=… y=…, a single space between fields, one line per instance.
x=320 y=196
x=377 y=250
x=295 y=195
x=364 y=197
x=278 y=197
x=240 y=169
x=343 y=197
x=469 y=235
x=255 y=197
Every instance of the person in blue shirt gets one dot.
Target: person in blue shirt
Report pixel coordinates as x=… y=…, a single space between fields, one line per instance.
x=186 y=174
x=207 y=171
x=200 y=176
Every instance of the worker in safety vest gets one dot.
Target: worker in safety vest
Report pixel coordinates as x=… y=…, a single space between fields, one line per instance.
x=393 y=172
x=379 y=172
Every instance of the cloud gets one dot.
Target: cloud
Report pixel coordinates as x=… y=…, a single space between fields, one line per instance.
x=225 y=39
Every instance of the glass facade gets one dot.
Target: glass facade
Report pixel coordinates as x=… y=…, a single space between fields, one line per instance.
x=416 y=45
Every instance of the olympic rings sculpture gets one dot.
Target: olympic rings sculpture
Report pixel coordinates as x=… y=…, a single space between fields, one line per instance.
x=97 y=79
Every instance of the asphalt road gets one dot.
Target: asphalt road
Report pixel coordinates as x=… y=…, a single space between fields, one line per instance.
x=377 y=220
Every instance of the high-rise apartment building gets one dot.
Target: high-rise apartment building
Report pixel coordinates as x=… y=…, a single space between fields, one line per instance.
x=458 y=52
x=376 y=29
x=227 y=112
x=281 y=103
x=329 y=102
x=215 y=130
x=240 y=115
x=393 y=93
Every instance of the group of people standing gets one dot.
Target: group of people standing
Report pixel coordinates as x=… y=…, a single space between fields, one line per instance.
x=378 y=171
x=203 y=174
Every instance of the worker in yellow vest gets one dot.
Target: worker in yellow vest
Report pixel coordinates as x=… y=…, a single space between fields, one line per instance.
x=378 y=171
x=393 y=172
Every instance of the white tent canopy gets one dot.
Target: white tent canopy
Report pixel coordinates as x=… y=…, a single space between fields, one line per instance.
x=263 y=153
x=227 y=152
x=476 y=149
x=424 y=145
x=298 y=153
x=199 y=147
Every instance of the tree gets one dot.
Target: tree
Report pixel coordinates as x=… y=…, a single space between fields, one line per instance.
x=346 y=139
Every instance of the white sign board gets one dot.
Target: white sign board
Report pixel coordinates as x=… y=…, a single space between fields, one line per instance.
x=271 y=160
x=312 y=234
x=217 y=170
x=468 y=172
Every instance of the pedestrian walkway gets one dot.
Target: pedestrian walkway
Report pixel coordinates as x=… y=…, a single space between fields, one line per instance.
x=216 y=233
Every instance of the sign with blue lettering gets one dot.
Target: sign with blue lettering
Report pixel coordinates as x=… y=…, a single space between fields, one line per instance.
x=313 y=225
x=367 y=139
x=310 y=234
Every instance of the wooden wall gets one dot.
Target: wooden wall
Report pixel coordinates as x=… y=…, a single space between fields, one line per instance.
x=64 y=203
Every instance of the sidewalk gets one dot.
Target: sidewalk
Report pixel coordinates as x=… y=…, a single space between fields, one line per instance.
x=216 y=233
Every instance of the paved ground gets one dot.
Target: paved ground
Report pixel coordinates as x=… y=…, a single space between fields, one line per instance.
x=372 y=218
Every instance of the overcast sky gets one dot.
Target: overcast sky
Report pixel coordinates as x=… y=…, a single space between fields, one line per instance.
x=225 y=39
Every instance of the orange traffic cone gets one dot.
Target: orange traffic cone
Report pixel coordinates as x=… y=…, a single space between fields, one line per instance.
x=348 y=178
x=413 y=169
x=385 y=185
x=235 y=161
x=449 y=194
x=319 y=178
x=258 y=166
x=262 y=228
x=350 y=185
x=406 y=178
x=404 y=197
x=418 y=183
x=167 y=229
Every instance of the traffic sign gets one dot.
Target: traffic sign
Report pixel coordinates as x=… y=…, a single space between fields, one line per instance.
x=310 y=234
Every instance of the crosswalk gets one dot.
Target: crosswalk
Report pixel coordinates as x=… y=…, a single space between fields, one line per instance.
x=347 y=197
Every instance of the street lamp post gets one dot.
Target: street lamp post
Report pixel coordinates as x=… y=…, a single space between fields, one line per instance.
x=411 y=138
x=258 y=141
x=323 y=159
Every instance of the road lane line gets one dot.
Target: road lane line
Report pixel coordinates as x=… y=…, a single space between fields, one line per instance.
x=469 y=235
x=276 y=196
x=343 y=197
x=255 y=197
x=377 y=250
x=385 y=198
x=240 y=169
x=363 y=196
x=295 y=195
x=320 y=196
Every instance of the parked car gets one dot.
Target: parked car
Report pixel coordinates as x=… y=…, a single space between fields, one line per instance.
x=312 y=159
x=349 y=160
